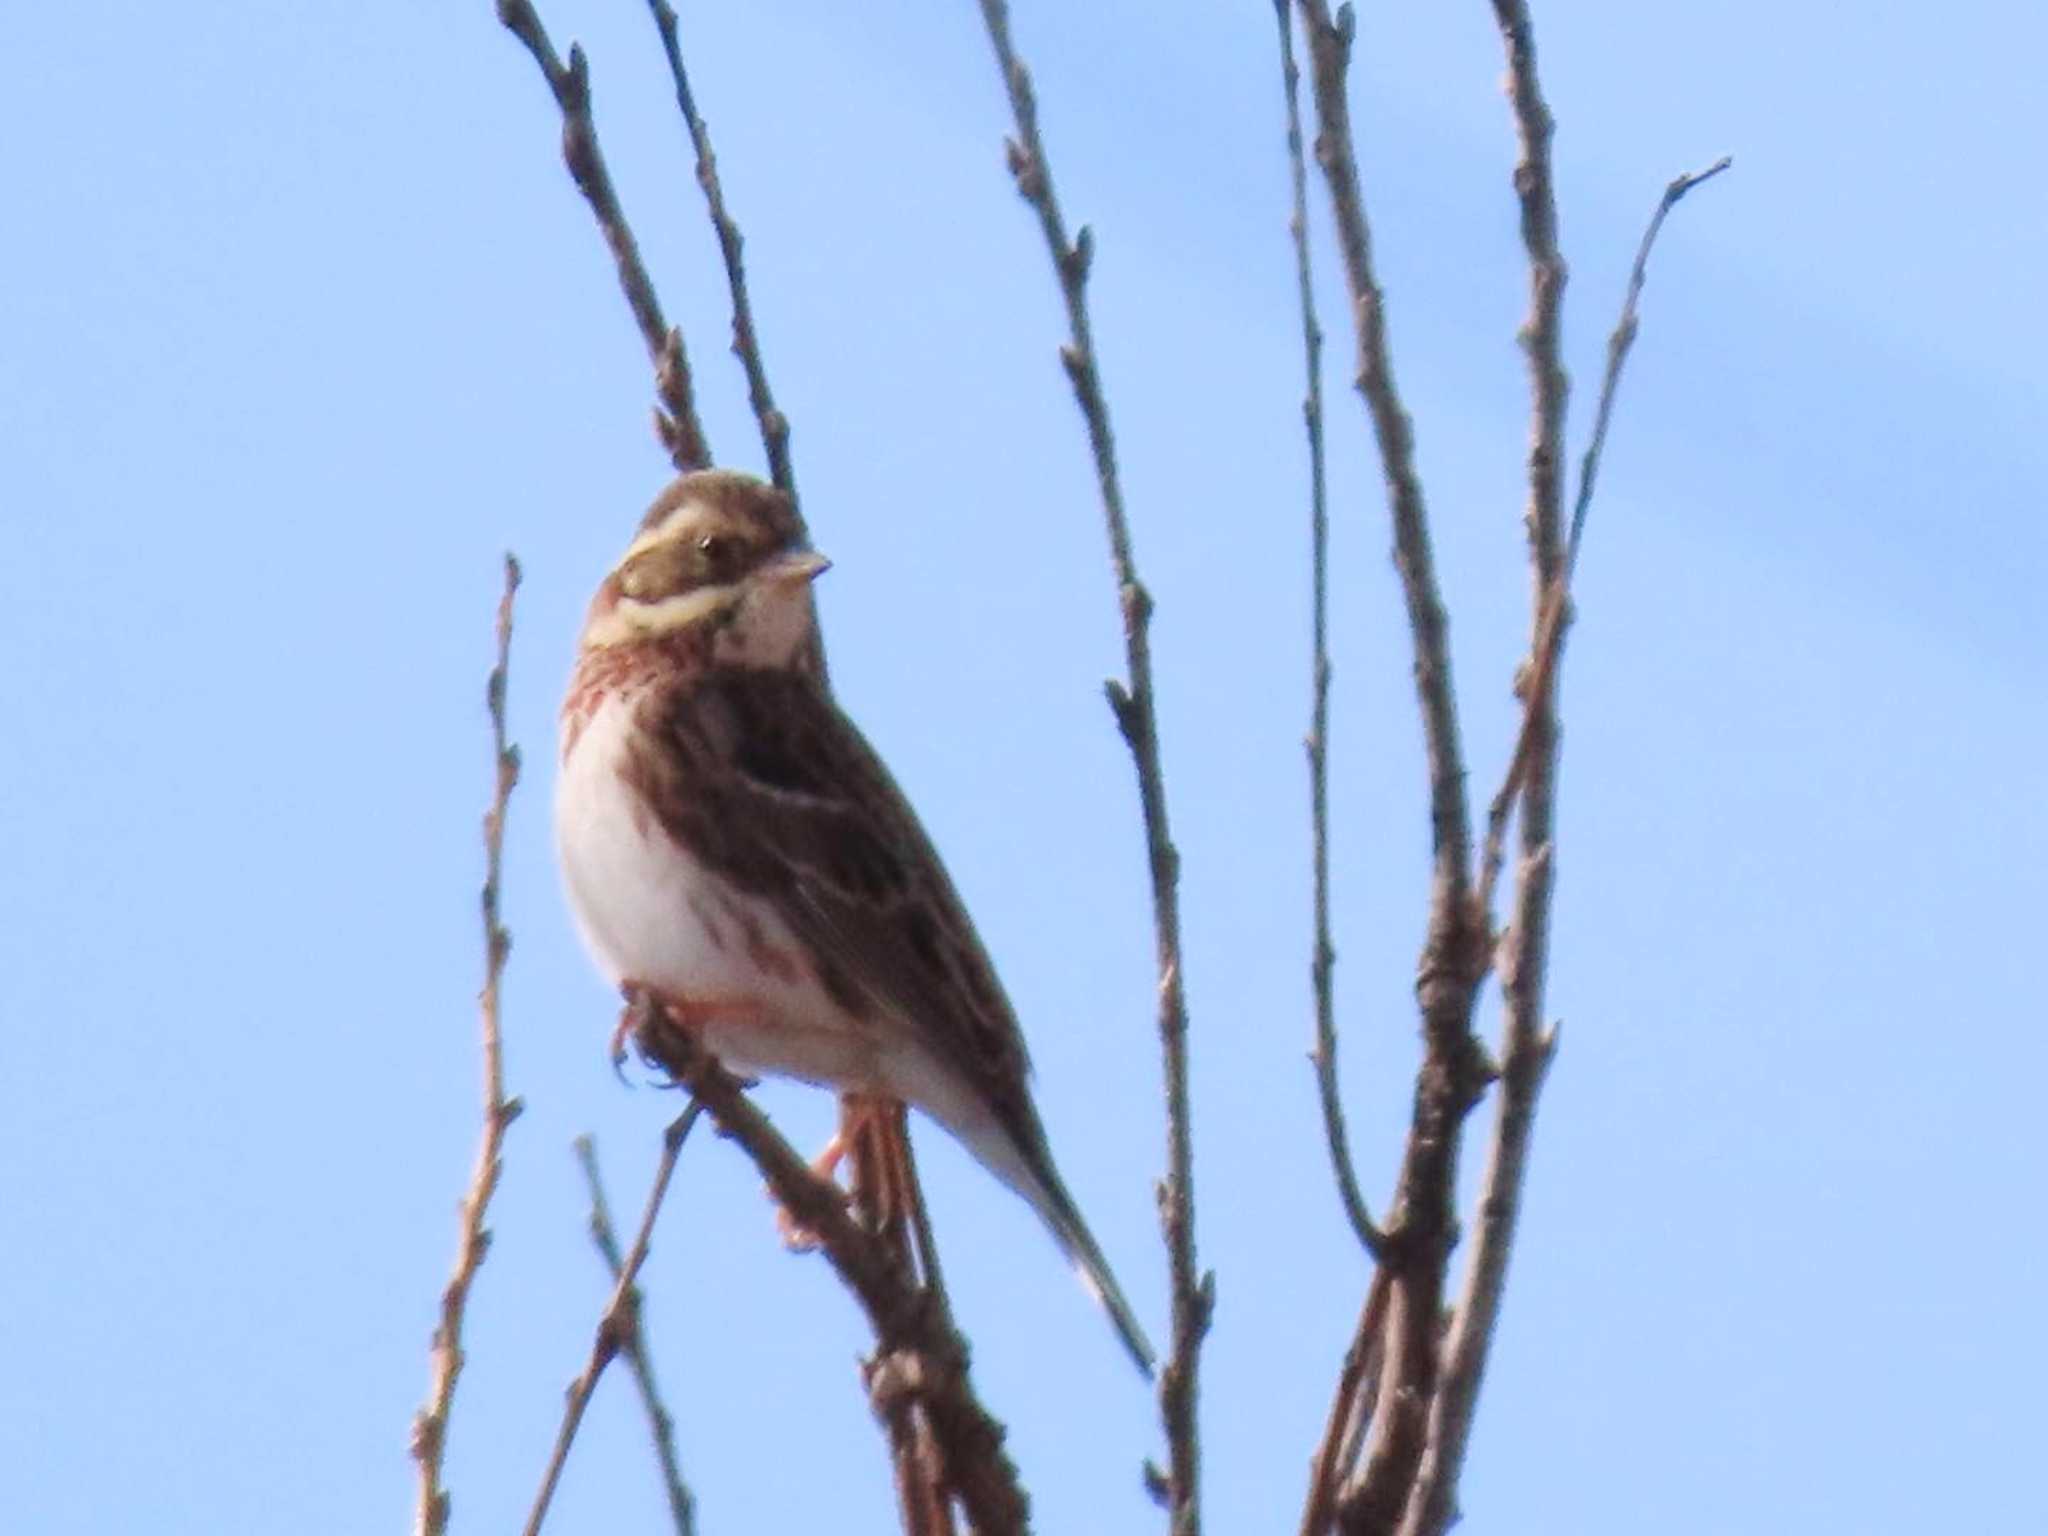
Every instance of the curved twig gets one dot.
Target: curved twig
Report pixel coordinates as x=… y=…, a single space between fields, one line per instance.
x=1622 y=340
x=1323 y=958
x=430 y=1426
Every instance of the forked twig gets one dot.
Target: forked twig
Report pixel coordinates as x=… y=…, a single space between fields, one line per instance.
x=1323 y=958
x=746 y=344
x=1527 y=1046
x=617 y=1324
x=1350 y=1406
x=430 y=1426
x=1554 y=613
x=675 y=419
x=1421 y=1224
x=1132 y=702
x=661 y=1423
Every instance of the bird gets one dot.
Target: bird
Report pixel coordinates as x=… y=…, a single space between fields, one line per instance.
x=733 y=847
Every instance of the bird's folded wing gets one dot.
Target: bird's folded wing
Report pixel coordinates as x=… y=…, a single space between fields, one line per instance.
x=769 y=784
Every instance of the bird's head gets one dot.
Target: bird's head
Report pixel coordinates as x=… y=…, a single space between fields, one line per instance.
x=720 y=555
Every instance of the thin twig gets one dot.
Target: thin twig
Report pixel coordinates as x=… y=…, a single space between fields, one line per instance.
x=1549 y=388
x=617 y=1323
x=1549 y=638
x=1131 y=701
x=1323 y=959
x=1422 y=1224
x=746 y=344
x=1350 y=1407
x=473 y=1238
x=1527 y=1046
x=890 y=1204
x=919 y=1354
x=1622 y=340
x=675 y=419
x=1329 y=43
x=682 y=1507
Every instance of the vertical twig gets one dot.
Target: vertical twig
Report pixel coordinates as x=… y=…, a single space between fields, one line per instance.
x=430 y=1426
x=1422 y=1223
x=1350 y=1407
x=1132 y=703
x=1329 y=43
x=661 y=1423
x=618 y=1322
x=1527 y=1046
x=675 y=419
x=746 y=344
x=1323 y=959
x=1549 y=388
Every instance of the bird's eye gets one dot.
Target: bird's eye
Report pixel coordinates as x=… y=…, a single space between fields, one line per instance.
x=717 y=550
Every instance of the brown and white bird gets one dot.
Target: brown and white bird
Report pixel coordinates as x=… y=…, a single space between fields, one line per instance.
x=733 y=845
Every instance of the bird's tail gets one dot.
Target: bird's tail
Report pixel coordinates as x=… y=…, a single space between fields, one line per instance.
x=1052 y=1202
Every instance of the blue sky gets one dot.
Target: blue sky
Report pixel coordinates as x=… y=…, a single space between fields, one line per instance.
x=301 y=325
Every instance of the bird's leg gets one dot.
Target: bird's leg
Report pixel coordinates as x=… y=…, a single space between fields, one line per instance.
x=859 y=1116
x=883 y=1180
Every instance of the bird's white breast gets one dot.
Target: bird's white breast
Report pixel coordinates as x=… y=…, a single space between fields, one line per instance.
x=644 y=906
x=650 y=913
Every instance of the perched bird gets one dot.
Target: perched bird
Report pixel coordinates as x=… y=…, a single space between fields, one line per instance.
x=733 y=846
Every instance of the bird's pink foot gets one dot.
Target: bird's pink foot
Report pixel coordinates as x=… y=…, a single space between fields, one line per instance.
x=795 y=1235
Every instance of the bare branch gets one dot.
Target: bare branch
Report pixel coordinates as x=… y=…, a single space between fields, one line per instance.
x=1527 y=1047
x=1555 y=611
x=1329 y=44
x=619 y=1321
x=1622 y=340
x=675 y=419
x=1350 y=1408
x=1422 y=1225
x=1323 y=959
x=746 y=344
x=473 y=1238
x=1548 y=386
x=919 y=1355
x=1132 y=703
x=681 y=1507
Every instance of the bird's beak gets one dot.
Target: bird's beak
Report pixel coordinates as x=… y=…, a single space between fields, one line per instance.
x=797 y=566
